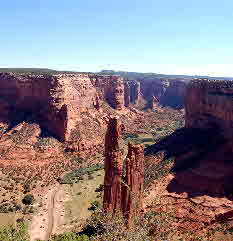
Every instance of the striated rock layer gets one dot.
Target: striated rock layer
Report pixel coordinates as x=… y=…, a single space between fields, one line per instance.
x=154 y=103
x=208 y=108
x=168 y=92
x=56 y=101
x=208 y=104
x=110 y=89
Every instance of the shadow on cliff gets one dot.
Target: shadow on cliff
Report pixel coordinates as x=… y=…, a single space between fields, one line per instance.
x=16 y=117
x=191 y=149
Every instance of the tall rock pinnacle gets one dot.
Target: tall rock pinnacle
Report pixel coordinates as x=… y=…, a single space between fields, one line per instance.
x=132 y=190
x=113 y=167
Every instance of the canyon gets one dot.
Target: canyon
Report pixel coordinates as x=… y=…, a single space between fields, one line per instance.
x=56 y=101
x=51 y=124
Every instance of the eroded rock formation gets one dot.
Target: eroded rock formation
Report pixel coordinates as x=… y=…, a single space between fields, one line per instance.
x=127 y=93
x=209 y=104
x=154 y=103
x=118 y=95
x=56 y=101
x=110 y=89
x=132 y=191
x=168 y=92
x=202 y=167
x=113 y=167
x=174 y=94
x=123 y=193
x=135 y=92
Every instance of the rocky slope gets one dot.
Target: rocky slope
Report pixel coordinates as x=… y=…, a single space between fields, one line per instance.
x=198 y=192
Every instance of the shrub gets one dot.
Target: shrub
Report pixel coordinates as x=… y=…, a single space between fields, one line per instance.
x=77 y=175
x=100 y=188
x=8 y=207
x=94 y=206
x=102 y=226
x=26 y=187
x=28 y=199
x=130 y=136
x=18 y=233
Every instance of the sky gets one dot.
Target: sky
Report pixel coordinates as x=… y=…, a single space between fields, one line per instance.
x=167 y=36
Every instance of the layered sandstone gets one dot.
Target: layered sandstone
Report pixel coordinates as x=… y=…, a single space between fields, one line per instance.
x=56 y=101
x=168 y=92
x=110 y=89
x=132 y=191
x=208 y=118
x=135 y=92
x=113 y=167
x=127 y=93
x=209 y=103
x=154 y=103
x=174 y=94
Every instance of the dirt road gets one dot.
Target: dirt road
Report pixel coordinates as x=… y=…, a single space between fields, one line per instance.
x=50 y=216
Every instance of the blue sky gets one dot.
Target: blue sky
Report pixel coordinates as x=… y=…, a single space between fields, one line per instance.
x=169 y=36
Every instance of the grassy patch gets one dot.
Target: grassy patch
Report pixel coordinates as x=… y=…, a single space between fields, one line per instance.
x=80 y=173
x=146 y=139
x=11 y=233
x=78 y=209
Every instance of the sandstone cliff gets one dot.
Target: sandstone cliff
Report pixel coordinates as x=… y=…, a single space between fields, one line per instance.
x=110 y=89
x=168 y=92
x=209 y=104
x=56 y=101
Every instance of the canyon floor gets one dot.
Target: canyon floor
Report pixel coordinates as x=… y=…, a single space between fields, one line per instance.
x=65 y=184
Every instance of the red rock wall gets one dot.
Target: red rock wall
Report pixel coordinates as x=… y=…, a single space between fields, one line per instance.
x=127 y=93
x=208 y=109
x=209 y=103
x=110 y=89
x=168 y=92
x=54 y=100
x=174 y=94
x=135 y=92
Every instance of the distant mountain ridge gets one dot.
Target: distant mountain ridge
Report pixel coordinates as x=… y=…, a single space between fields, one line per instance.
x=37 y=71
x=124 y=74
x=138 y=75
